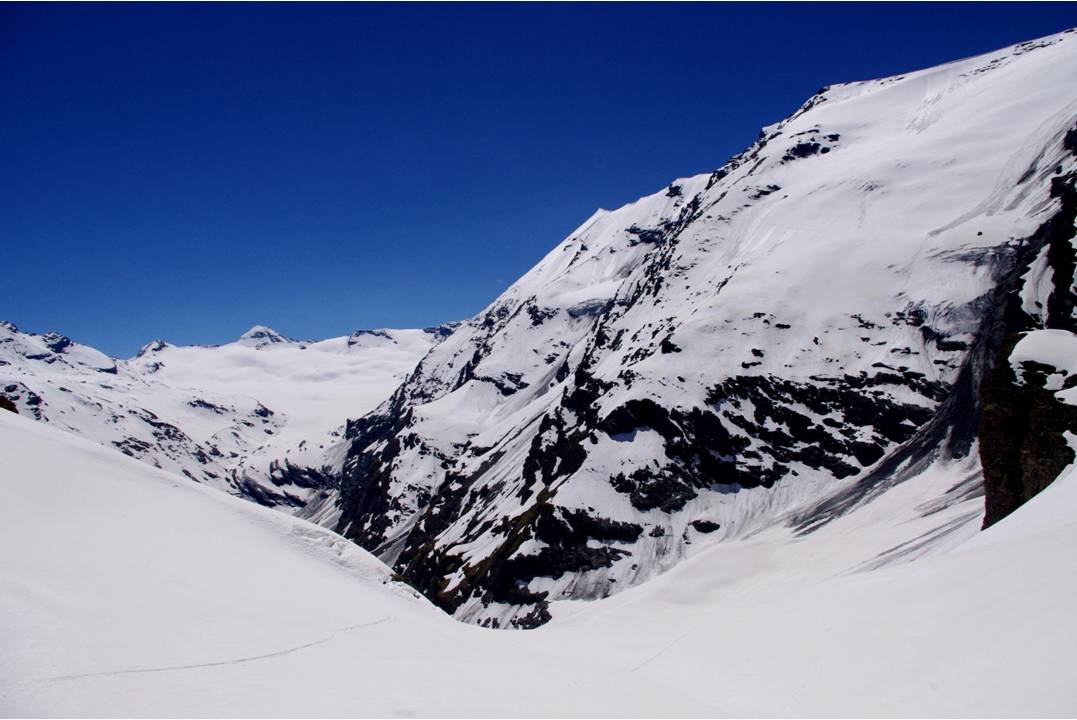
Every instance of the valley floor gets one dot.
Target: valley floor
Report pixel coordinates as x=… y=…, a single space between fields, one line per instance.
x=126 y=591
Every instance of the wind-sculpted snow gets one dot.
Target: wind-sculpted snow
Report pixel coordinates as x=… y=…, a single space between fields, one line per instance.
x=777 y=341
x=258 y=417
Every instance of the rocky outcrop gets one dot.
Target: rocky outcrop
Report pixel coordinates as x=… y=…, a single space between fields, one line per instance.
x=1022 y=443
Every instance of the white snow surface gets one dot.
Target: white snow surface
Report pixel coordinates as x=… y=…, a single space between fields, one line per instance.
x=129 y=591
x=1056 y=349
x=226 y=415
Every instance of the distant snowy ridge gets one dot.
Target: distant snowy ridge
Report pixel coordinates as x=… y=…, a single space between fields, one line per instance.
x=234 y=416
x=260 y=336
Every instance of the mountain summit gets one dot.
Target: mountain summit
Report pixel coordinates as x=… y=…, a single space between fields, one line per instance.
x=261 y=336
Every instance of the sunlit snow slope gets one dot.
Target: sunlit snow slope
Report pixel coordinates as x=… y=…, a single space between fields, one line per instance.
x=129 y=591
x=126 y=590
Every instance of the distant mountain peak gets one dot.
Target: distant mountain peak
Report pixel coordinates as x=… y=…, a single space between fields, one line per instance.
x=369 y=337
x=211 y=412
x=153 y=346
x=56 y=342
x=260 y=336
x=443 y=330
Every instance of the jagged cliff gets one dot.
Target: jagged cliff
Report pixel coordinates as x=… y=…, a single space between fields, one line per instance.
x=1026 y=413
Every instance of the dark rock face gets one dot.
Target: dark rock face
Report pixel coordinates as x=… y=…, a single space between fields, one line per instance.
x=1021 y=443
x=6 y=404
x=442 y=331
x=56 y=342
x=201 y=404
x=647 y=235
x=1022 y=447
x=503 y=576
x=364 y=491
x=859 y=401
x=813 y=144
x=705 y=526
x=16 y=393
x=357 y=337
x=649 y=489
x=284 y=475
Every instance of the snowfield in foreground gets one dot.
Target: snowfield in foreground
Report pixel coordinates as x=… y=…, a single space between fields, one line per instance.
x=144 y=593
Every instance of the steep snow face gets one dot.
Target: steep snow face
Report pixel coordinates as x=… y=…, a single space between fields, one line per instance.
x=793 y=332
x=234 y=416
x=128 y=591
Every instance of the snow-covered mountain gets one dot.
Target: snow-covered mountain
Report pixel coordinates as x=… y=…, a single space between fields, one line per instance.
x=234 y=416
x=789 y=393
x=770 y=345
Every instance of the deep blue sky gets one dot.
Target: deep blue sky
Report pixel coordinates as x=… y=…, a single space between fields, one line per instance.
x=186 y=171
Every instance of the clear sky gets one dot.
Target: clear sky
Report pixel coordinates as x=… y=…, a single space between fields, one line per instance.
x=186 y=171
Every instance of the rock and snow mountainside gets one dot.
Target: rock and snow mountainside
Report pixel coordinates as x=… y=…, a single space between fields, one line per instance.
x=773 y=344
x=236 y=416
x=786 y=386
x=129 y=591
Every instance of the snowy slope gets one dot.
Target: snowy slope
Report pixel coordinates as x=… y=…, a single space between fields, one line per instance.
x=776 y=342
x=233 y=416
x=128 y=591
x=771 y=628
